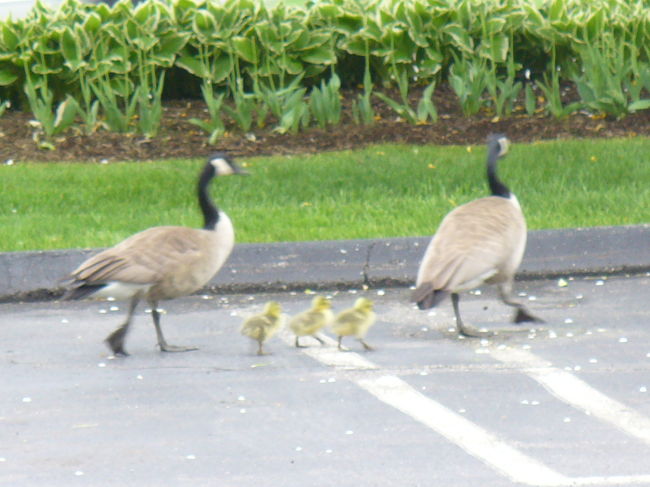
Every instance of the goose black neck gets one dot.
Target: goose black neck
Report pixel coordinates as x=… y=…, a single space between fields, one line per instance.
x=497 y=187
x=208 y=208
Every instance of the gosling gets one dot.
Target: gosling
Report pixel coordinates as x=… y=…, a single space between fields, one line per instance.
x=310 y=322
x=264 y=325
x=355 y=321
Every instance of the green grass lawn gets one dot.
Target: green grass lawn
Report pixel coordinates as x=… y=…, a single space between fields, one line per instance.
x=382 y=191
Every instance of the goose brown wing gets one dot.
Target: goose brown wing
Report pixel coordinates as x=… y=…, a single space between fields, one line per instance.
x=146 y=257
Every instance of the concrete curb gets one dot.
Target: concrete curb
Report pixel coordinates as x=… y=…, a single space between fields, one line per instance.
x=30 y=276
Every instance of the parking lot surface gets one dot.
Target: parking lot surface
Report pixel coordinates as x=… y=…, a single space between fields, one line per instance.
x=563 y=403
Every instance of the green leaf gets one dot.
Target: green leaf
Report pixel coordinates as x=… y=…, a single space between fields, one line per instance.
x=222 y=68
x=245 y=48
x=328 y=11
x=595 y=25
x=310 y=40
x=7 y=77
x=92 y=23
x=44 y=69
x=70 y=49
x=426 y=109
x=146 y=13
x=355 y=45
x=556 y=10
x=460 y=37
x=290 y=65
x=319 y=55
x=639 y=105
x=192 y=66
x=65 y=114
x=168 y=48
x=172 y=43
x=204 y=24
x=10 y=39
x=430 y=67
x=495 y=25
x=496 y=48
x=271 y=38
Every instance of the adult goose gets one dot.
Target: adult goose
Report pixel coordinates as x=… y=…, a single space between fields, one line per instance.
x=161 y=263
x=482 y=241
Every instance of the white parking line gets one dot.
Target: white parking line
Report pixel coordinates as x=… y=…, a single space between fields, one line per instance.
x=577 y=393
x=473 y=439
x=476 y=441
x=614 y=480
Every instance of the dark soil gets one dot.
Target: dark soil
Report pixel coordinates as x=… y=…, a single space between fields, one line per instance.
x=180 y=139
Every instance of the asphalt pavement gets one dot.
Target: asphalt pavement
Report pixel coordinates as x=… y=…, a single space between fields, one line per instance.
x=564 y=403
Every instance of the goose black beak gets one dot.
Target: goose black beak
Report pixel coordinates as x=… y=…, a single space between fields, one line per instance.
x=240 y=171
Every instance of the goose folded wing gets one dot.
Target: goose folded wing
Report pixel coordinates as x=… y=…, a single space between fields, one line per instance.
x=144 y=258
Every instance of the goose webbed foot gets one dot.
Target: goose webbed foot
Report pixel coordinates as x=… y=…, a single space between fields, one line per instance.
x=471 y=332
x=463 y=329
x=165 y=347
x=523 y=315
x=162 y=343
x=115 y=341
x=366 y=347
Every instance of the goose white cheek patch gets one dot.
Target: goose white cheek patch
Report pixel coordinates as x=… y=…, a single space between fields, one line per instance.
x=222 y=166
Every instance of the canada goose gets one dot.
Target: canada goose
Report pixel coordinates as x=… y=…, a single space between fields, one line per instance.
x=480 y=241
x=355 y=322
x=161 y=262
x=310 y=322
x=264 y=325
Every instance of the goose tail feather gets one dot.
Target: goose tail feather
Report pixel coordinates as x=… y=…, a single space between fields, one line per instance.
x=426 y=297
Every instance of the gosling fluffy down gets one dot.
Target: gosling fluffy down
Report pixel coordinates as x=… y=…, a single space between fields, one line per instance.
x=310 y=322
x=264 y=325
x=355 y=321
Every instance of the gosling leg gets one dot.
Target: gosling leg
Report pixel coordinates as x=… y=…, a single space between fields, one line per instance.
x=367 y=347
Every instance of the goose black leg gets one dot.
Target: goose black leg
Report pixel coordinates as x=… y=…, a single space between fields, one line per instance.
x=522 y=314
x=162 y=343
x=115 y=340
x=460 y=326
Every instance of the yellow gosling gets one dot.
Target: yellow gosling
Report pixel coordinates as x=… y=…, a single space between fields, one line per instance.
x=310 y=322
x=264 y=325
x=355 y=322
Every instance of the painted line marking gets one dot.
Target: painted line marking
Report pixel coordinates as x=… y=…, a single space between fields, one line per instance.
x=577 y=393
x=475 y=440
